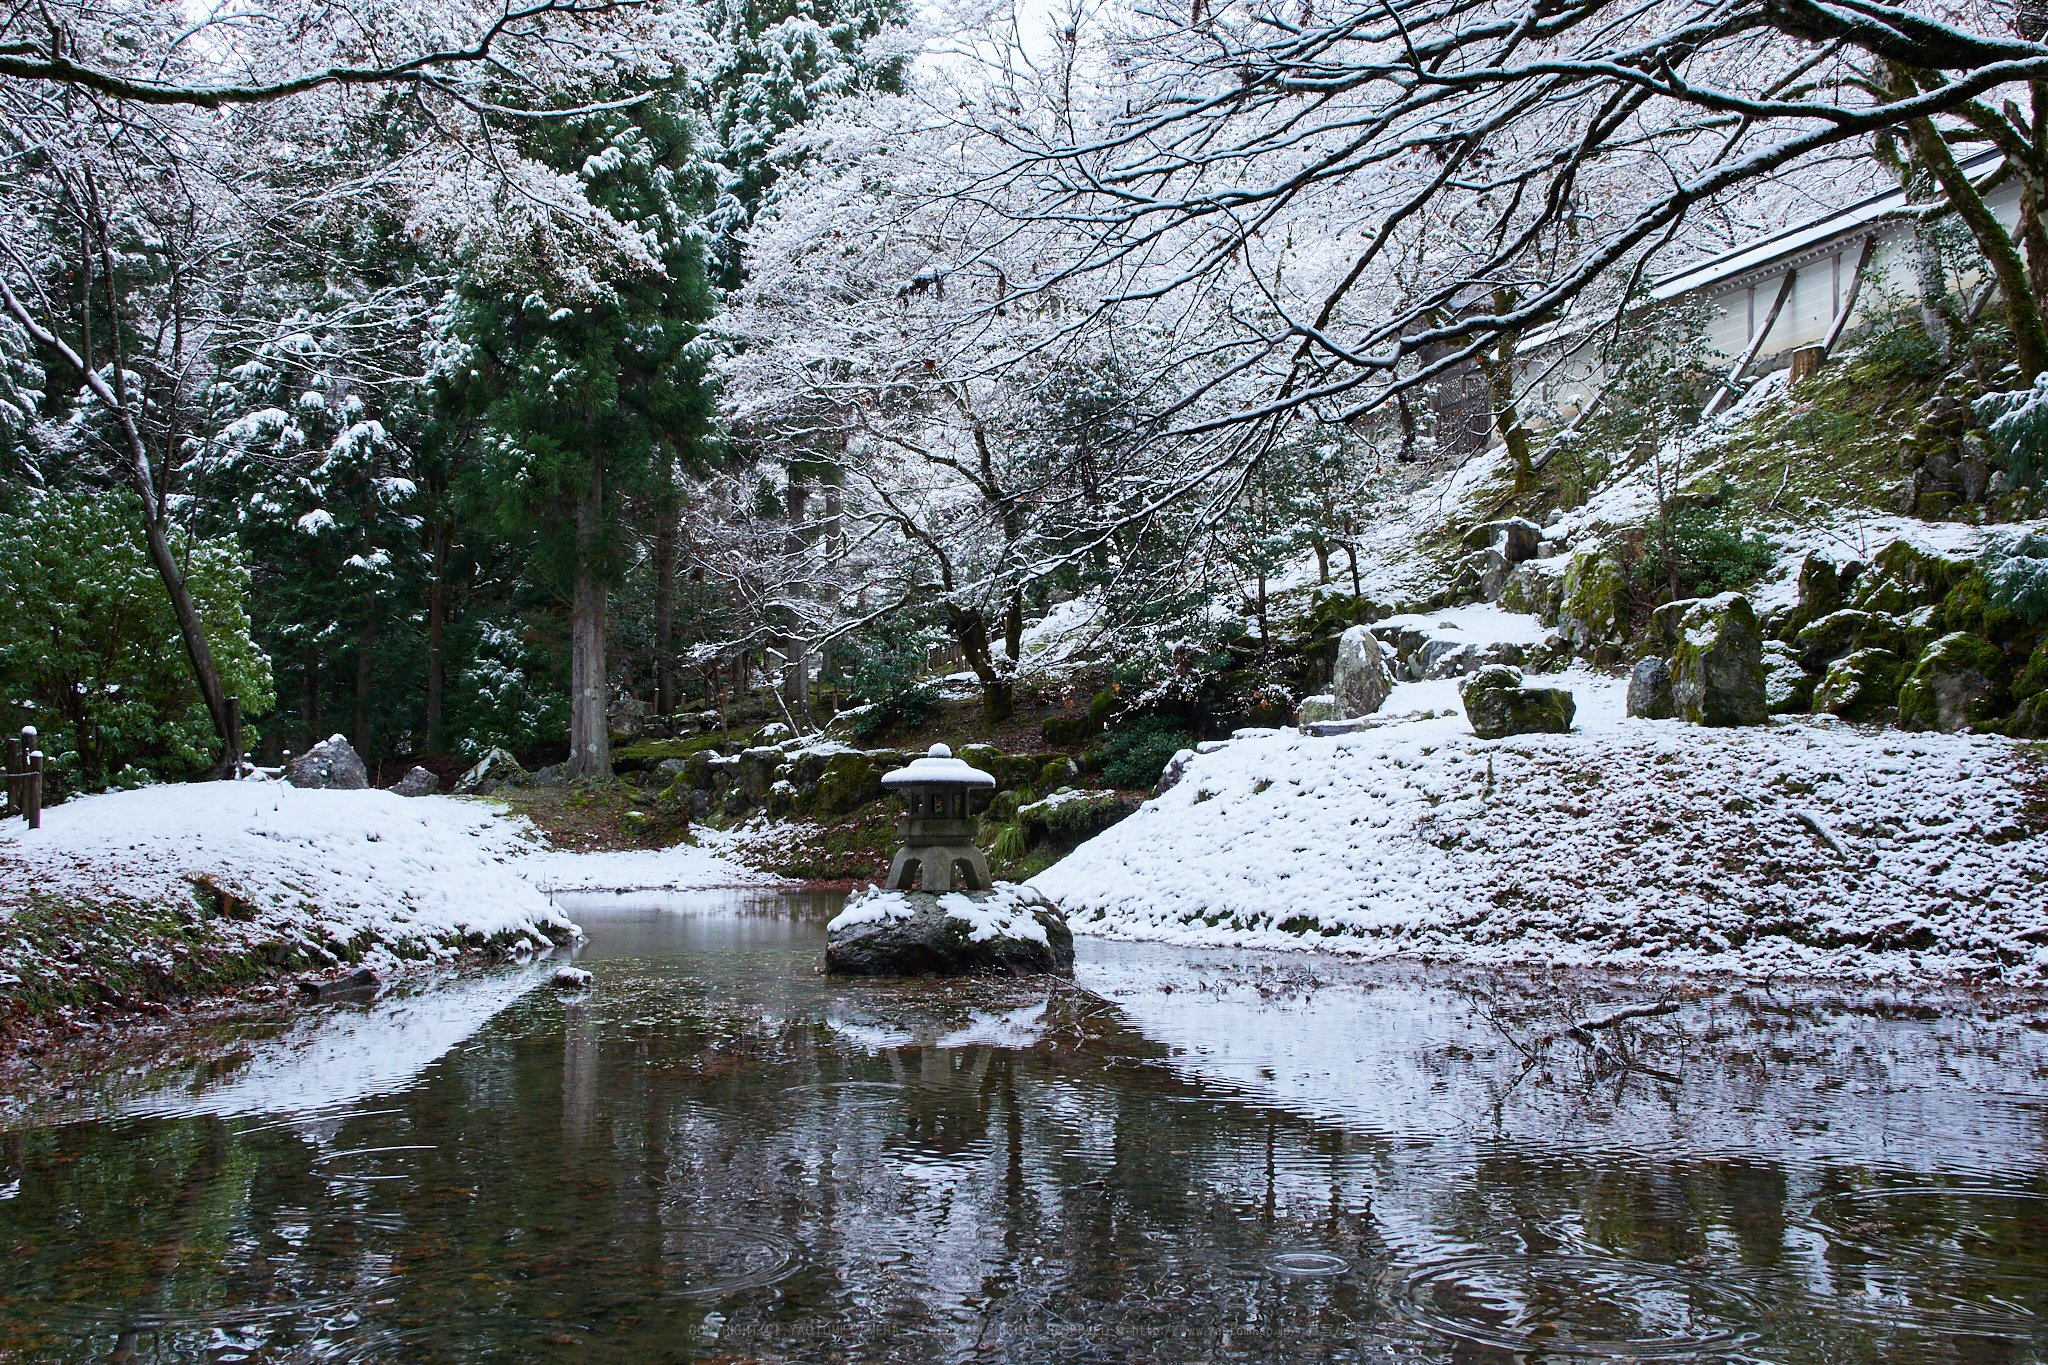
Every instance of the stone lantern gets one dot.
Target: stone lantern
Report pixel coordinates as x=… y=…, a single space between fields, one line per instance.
x=938 y=824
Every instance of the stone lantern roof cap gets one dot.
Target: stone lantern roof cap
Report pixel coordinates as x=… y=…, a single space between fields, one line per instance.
x=938 y=768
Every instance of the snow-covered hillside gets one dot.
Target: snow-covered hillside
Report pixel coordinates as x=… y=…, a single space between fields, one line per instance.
x=1806 y=847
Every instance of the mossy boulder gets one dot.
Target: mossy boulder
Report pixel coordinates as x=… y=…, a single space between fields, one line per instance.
x=1649 y=691
x=1968 y=608
x=1717 y=667
x=1859 y=686
x=1497 y=705
x=1593 y=601
x=1841 y=633
x=2032 y=679
x=1822 y=589
x=1361 y=681
x=1960 y=682
x=1904 y=578
x=1788 y=687
x=2030 y=719
x=1534 y=587
x=847 y=782
x=1068 y=818
x=1009 y=770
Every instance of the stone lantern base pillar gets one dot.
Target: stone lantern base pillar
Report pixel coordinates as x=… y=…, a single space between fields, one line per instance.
x=936 y=863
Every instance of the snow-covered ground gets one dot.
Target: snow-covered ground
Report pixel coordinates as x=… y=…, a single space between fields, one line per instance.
x=368 y=872
x=322 y=865
x=682 y=868
x=1806 y=847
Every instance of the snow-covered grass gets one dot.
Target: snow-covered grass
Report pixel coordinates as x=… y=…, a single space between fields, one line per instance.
x=1807 y=847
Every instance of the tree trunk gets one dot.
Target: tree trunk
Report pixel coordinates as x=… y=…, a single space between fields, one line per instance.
x=1499 y=373
x=1013 y=625
x=590 y=741
x=437 y=624
x=366 y=643
x=970 y=633
x=2022 y=305
x=155 y=528
x=312 y=699
x=664 y=605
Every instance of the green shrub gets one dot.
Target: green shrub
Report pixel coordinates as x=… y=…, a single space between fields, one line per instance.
x=1712 y=555
x=90 y=652
x=1135 y=755
x=2019 y=425
x=887 y=677
x=2016 y=574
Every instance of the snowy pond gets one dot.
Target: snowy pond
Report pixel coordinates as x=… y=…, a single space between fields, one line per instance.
x=718 y=1154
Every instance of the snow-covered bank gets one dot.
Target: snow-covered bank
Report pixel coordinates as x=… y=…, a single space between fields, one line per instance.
x=1807 y=847
x=682 y=868
x=168 y=890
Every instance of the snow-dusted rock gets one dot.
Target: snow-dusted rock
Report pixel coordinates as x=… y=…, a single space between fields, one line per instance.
x=1842 y=633
x=1007 y=930
x=570 y=979
x=330 y=765
x=1498 y=705
x=496 y=769
x=1318 y=709
x=418 y=782
x=1787 y=686
x=1361 y=681
x=1514 y=539
x=361 y=984
x=1175 y=767
x=1717 y=664
x=1649 y=691
x=1954 y=685
x=1858 y=686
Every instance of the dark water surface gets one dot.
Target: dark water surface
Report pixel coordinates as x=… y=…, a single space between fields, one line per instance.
x=717 y=1154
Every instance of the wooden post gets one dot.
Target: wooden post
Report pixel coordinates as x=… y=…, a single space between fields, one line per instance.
x=234 y=739
x=1756 y=343
x=1806 y=363
x=35 y=789
x=1848 y=304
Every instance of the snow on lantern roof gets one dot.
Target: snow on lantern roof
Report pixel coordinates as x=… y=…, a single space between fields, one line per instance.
x=938 y=768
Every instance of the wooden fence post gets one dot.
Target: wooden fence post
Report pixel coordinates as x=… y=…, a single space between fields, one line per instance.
x=35 y=787
x=234 y=739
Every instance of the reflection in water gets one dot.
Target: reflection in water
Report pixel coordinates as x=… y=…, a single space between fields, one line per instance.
x=718 y=1153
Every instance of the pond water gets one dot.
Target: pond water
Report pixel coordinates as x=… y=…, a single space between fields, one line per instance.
x=718 y=1154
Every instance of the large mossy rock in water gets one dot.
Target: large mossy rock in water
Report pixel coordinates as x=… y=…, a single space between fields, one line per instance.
x=1717 y=663
x=1498 y=705
x=1007 y=930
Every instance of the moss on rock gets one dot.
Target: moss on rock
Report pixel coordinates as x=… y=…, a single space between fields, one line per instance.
x=1959 y=682
x=1593 y=603
x=1717 y=669
x=1859 y=686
